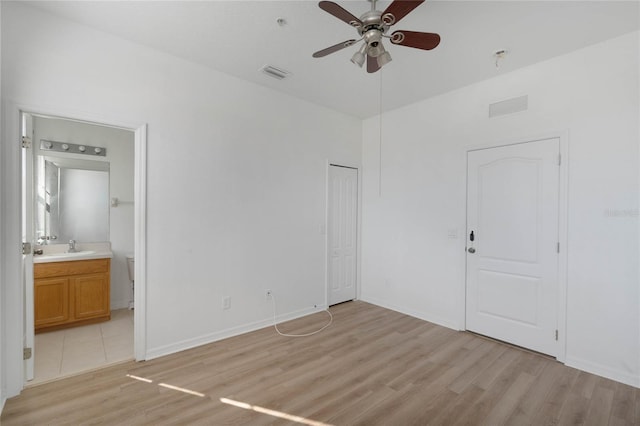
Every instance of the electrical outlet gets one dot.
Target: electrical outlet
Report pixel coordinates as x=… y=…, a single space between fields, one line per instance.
x=226 y=302
x=268 y=294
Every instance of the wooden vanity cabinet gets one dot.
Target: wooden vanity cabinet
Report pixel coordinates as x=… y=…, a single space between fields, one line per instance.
x=71 y=293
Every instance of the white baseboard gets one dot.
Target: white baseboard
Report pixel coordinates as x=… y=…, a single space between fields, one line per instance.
x=602 y=370
x=580 y=364
x=414 y=313
x=120 y=304
x=224 y=334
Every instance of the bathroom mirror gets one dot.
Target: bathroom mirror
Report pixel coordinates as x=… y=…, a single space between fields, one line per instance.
x=72 y=200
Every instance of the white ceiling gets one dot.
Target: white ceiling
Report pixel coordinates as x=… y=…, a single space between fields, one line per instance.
x=239 y=37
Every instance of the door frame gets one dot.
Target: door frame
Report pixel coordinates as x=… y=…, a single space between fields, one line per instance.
x=563 y=137
x=12 y=276
x=325 y=228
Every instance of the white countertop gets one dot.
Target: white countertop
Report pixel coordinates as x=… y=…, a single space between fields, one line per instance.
x=84 y=251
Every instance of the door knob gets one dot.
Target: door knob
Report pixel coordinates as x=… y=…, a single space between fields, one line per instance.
x=472 y=250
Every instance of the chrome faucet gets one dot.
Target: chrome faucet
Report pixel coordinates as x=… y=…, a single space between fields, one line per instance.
x=72 y=246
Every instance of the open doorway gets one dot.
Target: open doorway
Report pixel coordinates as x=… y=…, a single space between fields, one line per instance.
x=80 y=216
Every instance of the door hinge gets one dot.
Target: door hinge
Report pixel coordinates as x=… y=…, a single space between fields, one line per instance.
x=26 y=353
x=559 y=159
x=558 y=247
x=26 y=248
x=556 y=334
x=26 y=142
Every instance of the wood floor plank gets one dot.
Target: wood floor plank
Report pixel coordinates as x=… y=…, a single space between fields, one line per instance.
x=373 y=366
x=637 y=407
x=491 y=372
x=586 y=383
x=511 y=398
x=495 y=393
x=530 y=404
x=471 y=373
x=600 y=407
x=451 y=413
x=574 y=411
x=623 y=406
x=551 y=409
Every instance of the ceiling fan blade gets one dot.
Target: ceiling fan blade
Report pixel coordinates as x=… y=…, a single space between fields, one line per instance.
x=424 y=41
x=340 y=13
x=334 y=48
x=372 y=64
x=398 y=10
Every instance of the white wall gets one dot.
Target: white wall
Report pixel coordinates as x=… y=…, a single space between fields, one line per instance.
x=411 y=265
x=236 y=175
x=2 y=334
x=120 y=156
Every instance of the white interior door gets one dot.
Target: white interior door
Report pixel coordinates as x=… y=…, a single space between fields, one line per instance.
x=342 y=235
x=28 y=237
x=512 y=262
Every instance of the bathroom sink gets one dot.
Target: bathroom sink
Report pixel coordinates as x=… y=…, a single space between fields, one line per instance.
x=63 y=256
x=79 y=253
x=74 y=254
x=59 y=252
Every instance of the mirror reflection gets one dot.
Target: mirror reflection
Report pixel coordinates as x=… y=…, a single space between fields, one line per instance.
x=72 y=200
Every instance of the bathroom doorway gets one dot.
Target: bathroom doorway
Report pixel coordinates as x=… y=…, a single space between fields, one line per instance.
x=81 y=207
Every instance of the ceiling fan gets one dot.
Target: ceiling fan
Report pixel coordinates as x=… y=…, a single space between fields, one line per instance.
x=372 y=27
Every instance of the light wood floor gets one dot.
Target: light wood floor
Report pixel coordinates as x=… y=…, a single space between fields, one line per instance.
x=371 y=367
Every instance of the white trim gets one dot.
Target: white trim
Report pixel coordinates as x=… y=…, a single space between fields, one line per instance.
x=10 y=179
x=12 y=308
x=563 y=237
x=326 y=233
x=358 y=229
x=637 y=366
x=230 y=332
x=444 y=322
x=625 y=377
x=359 y=236
x=140 y=244
x=3 y=391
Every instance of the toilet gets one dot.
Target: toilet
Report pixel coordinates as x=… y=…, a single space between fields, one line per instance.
x=131 y=269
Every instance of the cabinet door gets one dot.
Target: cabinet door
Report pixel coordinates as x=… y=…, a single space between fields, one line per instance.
x=90 y=296
x=51 y=300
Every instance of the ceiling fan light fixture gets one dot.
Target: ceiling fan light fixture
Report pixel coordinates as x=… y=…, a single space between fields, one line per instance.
x=384 y=59
x=359 y=57
x=376 y=50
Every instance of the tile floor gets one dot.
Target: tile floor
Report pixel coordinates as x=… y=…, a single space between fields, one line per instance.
x=73 y=350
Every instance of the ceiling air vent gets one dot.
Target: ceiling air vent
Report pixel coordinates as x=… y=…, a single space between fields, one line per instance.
x=274 y=72
x=509 y=106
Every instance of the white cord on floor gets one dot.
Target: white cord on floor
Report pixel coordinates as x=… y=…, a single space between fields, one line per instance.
x=275 y=324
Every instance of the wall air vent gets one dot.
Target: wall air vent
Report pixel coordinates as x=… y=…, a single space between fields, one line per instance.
x=274 y=72
x=509 y=106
